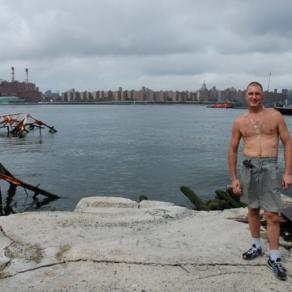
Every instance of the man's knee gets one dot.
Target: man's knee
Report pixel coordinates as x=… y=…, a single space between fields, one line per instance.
x=272 y=218
x=253 y=212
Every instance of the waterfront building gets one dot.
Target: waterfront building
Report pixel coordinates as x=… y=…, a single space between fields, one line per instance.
x=95 y=95
x=272 y=98
x=11 y=99
x=71 y=96
x=26 y=90
x=203 y=93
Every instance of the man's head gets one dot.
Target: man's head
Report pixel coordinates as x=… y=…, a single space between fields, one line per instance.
x=255 y=83
x=254 y=95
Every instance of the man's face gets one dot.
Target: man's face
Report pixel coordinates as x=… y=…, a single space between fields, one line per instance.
x=254 y=96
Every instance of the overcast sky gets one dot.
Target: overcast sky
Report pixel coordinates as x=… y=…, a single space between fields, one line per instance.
x=160 y=44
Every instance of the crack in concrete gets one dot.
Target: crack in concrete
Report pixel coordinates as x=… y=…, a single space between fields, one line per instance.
x=14 y=247
x=4 y=266
x=223 y=274
x=4 y=233
x=179 y=265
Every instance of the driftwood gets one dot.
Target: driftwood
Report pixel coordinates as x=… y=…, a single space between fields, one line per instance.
x=217 y=204
x=194 y=198
x=14 y=183
x=6 y=175
x=223 y=200
x=231 y=201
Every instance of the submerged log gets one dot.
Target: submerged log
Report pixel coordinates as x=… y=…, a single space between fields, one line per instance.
x=194 y=198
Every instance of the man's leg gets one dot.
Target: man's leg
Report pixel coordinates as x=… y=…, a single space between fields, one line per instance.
x=254 y=222
x=254 y=226
x=273 y=231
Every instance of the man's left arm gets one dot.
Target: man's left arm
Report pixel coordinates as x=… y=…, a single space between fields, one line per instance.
x=286 y=140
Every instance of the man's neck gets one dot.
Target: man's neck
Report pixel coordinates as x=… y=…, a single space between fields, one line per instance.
x=256 y=110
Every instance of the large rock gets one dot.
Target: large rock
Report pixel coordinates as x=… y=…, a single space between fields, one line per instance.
x=86 y=204
x=118 y=244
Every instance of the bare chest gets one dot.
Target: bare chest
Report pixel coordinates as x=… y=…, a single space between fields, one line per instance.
x=253 y=127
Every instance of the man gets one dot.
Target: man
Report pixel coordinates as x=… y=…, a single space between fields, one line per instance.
x=261 y=129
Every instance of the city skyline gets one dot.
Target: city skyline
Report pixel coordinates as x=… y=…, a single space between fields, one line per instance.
x=167 y=45
x=202 y=95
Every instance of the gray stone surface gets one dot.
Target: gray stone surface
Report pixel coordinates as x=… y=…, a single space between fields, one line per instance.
x=120 y=245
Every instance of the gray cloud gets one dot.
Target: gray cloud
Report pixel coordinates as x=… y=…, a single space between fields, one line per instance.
x=167 y=44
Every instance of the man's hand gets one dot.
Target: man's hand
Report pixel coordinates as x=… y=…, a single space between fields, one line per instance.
x=286 y=181
x=236 y=188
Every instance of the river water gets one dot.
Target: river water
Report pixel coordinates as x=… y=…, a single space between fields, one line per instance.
x=121 y=150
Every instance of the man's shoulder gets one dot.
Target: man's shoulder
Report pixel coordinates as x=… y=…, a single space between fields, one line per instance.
x=240 y=119
x=270 y=112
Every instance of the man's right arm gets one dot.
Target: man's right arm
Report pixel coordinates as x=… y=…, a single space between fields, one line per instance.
x=232 y=157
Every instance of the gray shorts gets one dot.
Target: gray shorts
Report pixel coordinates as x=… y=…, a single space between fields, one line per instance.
x=261 y=184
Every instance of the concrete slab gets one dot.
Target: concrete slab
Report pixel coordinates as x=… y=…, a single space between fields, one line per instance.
x=157 y=247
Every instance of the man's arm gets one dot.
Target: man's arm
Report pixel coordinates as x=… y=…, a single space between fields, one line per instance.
x=232 y=157
x=286 y=140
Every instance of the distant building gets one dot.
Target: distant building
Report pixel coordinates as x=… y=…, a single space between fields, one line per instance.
x=26 y=90
x=50 y=96
x=203 y=95
x=273 y=98
x=11 y=99
x=213 y=94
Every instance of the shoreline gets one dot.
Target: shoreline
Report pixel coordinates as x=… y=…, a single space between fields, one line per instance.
x=117 y=103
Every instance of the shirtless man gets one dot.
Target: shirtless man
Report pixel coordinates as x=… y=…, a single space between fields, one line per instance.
x=259 y=186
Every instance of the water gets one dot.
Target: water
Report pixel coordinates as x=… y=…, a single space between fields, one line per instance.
x=121 y=150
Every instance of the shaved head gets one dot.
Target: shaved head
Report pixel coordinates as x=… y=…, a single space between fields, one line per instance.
x=255 y=83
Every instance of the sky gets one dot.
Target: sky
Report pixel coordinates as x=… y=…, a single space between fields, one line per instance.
x=160 y=44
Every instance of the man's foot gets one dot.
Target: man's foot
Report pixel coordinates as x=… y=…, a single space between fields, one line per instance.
x=252 y=253
x=277 y=268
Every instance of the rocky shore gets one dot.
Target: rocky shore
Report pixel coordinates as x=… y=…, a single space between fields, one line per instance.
x=116 y=244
